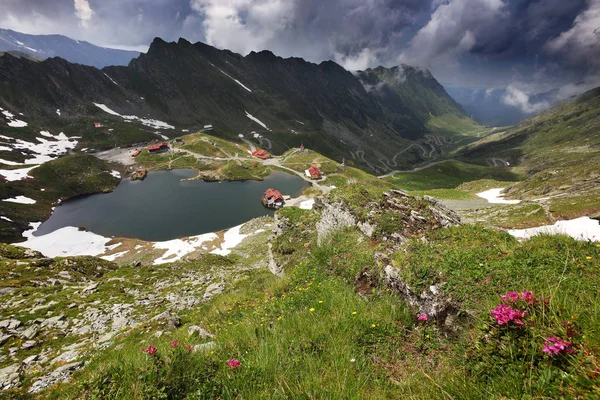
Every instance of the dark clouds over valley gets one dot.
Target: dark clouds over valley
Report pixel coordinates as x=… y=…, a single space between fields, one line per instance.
x=525 y=46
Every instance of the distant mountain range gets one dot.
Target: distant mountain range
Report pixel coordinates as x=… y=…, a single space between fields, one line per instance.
x=48 y=46
x=488 y=107
x=370 y=116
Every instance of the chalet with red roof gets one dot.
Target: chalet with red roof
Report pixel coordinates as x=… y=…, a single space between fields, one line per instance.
x=273 y=199
x=158 y=148
x=313 y=173
x=262 y=154
x=98 y=125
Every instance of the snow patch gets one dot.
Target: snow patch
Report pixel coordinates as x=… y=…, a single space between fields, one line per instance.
x=6 y=219
x=116 y=174
x=58 y=112
x=113 y=257
x=12 y=121
x=16 y=174
x=232 y=238
x=494 y=196
x=308 y=204
x=235 y=80
x=258 y=121
x=46 y=150
x=20 y=200
x=583 y=228
x=68 y=241
x=152 y=123
x=112 y=80
x=178 y=248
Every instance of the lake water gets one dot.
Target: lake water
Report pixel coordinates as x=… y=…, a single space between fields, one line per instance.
x=162 y=207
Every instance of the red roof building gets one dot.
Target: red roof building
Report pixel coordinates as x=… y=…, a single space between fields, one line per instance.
x=136 y=153
x=155 y=148
x=273 y=195
x=314 y=173
x=262 y=154
x=97 y=125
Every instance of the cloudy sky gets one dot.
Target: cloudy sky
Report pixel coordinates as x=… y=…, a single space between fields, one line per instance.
x=523 y=45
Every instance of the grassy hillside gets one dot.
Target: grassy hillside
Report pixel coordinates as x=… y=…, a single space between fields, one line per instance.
x=558 y=149
x=333 y=327
x=449 y=175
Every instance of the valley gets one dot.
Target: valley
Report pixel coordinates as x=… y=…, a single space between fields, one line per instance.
x=138 y=261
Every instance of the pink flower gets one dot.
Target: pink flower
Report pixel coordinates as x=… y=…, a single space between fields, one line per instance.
x=233 y=363
x=174 y=344
x=529 y=297
x=505 y=314
x=511 y=297
x=554 y=345
x=422 y=317
x=150 y=350
x=190 y=348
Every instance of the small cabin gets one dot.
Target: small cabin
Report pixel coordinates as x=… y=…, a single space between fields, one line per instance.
x=302 y=147
x=313 y=173
x=158 y=148
x=262 y=154
x=98 y=125
x=207 y=128
x=136 y=153
x=273 y=199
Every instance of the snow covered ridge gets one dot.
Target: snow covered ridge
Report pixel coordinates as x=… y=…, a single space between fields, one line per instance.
x=494 y=196
x=12 y=120
x=152 y=123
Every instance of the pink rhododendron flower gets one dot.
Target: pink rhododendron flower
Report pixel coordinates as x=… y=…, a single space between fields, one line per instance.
x=511 y=297
x=233 y=363
x=190 y=348
x=174 y=344
x=150 y=350
x=529 y=297
x=505 y=314
x=422 y=317
x=554 y=346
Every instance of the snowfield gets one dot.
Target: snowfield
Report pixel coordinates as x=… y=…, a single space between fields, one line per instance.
x=583 y=228
x=307 y=205
x=152 y=123
x=178 y=248
x=232 y=238
x=12 y=121
x=16 y=174
x=494 y=196
x=20 y=200
x=68 y=241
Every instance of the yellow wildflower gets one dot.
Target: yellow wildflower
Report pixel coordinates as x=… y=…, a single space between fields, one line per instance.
x=311 y=309
x=373 y=325
x=353 y=312
x=588 y=258
x=320 y=301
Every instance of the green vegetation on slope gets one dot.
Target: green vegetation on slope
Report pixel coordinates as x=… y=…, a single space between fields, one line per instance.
x=305 y=335
x=558 y=149
x=449 y=175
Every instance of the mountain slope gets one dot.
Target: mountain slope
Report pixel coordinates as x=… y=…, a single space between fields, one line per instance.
x=277 y=102
x=558 y=149
x=75 y=51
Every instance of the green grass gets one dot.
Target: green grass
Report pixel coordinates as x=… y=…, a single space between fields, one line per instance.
x=310 y=335
x=301 y=161
x=449 y=175
x=203 y=144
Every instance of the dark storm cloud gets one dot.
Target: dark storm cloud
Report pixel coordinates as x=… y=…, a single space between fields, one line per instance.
x=487 y=43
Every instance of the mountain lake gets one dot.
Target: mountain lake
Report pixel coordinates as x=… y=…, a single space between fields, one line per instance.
x=163 y=207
